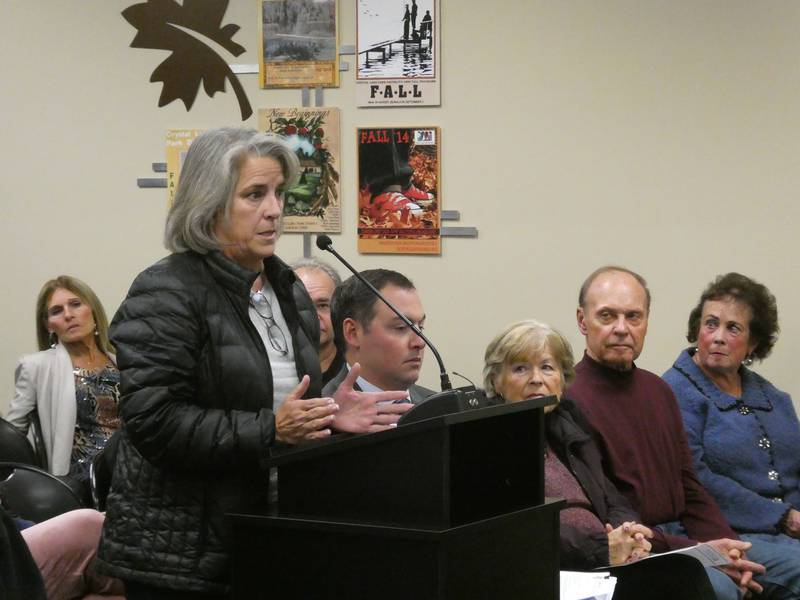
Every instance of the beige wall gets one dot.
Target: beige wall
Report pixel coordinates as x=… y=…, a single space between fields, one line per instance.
x=662 y=135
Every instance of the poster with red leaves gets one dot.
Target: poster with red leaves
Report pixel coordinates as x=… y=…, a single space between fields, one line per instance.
x=299 y=44
x=312 y=204
x=399 y=195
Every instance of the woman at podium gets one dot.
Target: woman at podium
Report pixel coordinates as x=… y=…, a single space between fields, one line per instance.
x=217 y=352
x=598 y=526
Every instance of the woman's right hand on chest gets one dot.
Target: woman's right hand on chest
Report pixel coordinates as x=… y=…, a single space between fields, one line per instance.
x=302 y=420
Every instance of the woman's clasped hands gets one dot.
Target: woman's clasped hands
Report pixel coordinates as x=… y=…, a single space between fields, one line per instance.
x=628 y=542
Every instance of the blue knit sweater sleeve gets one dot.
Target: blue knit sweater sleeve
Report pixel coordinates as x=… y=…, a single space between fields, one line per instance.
x=745 y=509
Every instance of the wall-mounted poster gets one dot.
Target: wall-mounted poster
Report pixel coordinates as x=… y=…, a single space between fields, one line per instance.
x=399 y=199
x=299 y=44
x=178 y=142
x=398 y=52
x=313 y=204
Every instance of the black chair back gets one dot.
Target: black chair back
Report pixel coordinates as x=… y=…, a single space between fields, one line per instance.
x=38 y=438
x=14 y=446
x=100 y=471
x=20 y=578
x=33 y=494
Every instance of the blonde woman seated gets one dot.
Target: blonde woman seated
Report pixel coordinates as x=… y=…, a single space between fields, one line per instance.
x=72 y=384
x=598 y=526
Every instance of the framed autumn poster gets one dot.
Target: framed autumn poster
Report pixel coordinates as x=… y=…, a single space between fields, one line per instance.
x=313 y=204
x=399 y=195
x=299 y=44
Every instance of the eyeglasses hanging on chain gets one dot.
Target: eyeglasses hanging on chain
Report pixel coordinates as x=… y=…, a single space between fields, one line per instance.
x=277 y=339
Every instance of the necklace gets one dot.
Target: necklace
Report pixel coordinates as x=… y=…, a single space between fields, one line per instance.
x=96 y=363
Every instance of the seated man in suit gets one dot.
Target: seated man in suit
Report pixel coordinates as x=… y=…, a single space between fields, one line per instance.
x=370 y=334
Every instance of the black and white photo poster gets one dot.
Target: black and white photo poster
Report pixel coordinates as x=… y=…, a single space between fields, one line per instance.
x=398 y=49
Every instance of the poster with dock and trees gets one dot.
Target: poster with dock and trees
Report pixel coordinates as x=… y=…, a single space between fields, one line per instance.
x=299 y=44
x=398 y=53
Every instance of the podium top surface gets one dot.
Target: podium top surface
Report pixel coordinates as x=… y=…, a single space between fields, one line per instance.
x=251 y=523
x=290 y=454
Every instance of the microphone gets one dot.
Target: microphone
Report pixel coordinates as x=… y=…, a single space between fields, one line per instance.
x=449 y=400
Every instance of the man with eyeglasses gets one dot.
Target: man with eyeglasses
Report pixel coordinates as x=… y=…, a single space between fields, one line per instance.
x=372 y=336
x=320 y=280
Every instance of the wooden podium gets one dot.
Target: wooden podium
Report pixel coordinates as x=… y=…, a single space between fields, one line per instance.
x=448 y=507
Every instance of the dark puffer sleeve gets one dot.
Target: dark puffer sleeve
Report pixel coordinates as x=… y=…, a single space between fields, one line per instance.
x=160 y=333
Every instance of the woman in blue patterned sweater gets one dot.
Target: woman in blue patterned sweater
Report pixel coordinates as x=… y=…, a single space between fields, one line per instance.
x=743 y=432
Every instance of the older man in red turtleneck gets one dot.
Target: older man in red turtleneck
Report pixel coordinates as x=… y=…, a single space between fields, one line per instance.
x=640 y=433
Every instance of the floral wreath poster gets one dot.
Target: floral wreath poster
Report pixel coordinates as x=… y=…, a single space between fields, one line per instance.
x=312 y=205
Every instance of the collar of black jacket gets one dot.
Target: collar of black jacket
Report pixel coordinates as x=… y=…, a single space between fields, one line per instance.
x=567 y=424
x=236 y=278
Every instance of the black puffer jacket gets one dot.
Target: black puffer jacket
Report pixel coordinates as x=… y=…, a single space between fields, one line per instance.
x=197 y=419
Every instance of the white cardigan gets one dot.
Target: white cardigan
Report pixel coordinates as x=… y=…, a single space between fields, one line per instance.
x=45 y=381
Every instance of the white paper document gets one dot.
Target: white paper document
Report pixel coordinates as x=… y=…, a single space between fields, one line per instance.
x=598 y=585
x=705 y=553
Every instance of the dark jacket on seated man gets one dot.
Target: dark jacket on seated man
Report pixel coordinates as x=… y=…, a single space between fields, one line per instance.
x=417 y=393
x=334 y=368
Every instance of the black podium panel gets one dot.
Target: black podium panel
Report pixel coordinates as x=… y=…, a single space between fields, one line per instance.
x=663 y=578
x=434 y=474
x=510 y=556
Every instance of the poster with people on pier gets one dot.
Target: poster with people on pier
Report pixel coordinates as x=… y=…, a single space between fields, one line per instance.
x=399 y=199
x=313 y=203
x=397 y=51
x=299 y=44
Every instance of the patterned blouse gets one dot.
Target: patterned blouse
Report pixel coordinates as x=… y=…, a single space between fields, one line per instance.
x=97 y=418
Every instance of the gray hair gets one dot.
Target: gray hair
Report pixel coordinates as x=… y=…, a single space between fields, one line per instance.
x=208 y=178
x=315 y=264
x=524 y=340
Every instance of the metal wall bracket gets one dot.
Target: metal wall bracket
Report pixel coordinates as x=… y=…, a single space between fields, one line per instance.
x=253 y=69
x=465 y=232
x=447 y=215
x=344 y=50
x=151 y=182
